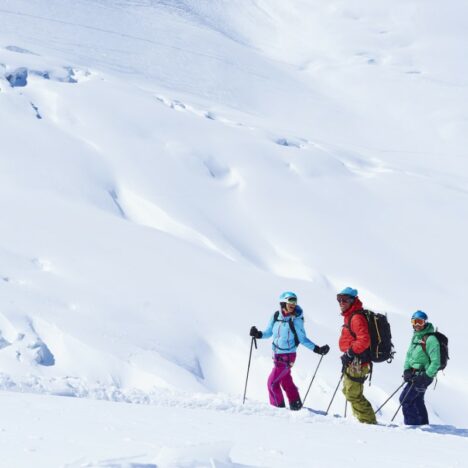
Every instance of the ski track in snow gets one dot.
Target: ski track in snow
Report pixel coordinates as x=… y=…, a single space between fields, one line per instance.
x=166 y=398
x=119 y=436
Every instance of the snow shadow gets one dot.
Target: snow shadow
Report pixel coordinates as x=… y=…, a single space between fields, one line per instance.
x=291 y=142
x=445 y=429
x=36 y=110
x=43 y=355
x=19 y=50
x=18 y=78
x=318 y=412
x=64 y=74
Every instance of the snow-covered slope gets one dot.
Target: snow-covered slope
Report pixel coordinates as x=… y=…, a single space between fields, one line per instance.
x=170 y=167
x=112 y=435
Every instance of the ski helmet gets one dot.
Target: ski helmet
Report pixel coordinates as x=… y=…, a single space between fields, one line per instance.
x=419 y=314
x=288 y=296
x=349 y=292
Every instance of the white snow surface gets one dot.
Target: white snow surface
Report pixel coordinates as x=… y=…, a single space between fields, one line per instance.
x=168 y=168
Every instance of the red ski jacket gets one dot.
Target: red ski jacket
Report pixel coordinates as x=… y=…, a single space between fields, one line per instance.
x=359 y=327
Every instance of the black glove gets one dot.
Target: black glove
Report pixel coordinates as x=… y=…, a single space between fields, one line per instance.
x=255 y=333
x=422 y=380
x=347 y=358
x=321 y=349
x=408 y=375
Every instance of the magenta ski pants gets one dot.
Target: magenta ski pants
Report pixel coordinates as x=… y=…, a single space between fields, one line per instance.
x=281 y=378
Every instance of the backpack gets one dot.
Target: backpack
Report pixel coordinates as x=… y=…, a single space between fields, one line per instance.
x=291 y=326
x=443 y=342
x=381 y=347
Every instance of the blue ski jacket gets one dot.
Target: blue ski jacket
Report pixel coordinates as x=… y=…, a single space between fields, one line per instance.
x=283 y=337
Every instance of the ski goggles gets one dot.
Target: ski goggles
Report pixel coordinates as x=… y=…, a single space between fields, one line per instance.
x=418 y=321
x=291 y=300
x=344 y=298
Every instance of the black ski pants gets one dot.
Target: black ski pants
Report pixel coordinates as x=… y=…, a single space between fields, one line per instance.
x=414 y=408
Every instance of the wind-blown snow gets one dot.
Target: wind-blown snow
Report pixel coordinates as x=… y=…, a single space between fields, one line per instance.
x=167 y=168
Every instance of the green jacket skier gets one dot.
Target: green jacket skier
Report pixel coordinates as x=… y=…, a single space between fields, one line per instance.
x=421 y=365
x=417 y=359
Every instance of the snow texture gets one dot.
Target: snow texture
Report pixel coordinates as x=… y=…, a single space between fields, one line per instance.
x=168 y=168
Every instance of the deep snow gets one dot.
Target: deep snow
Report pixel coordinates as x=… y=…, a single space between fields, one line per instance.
x=167 y=168
x=107 y=434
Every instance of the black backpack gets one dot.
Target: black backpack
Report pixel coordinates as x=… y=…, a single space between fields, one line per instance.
x=291 y=326
x=443 y=342
x=381 y=348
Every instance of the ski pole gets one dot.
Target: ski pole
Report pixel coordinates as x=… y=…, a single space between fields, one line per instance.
x=345 y=407
x=388 y=399
x=254 y=341
x=407 y=393
x=313 y=377
x=334 y=393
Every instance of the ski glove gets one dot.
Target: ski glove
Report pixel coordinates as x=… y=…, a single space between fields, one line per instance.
x=408 y=375
x=321 y=349
x=347 y=359
x=255 y=333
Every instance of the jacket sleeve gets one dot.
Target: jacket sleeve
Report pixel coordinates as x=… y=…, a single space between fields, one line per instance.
x=301 y=334
x=408 y=356
x=433 y=351
x=268 y=332
x=360 y=328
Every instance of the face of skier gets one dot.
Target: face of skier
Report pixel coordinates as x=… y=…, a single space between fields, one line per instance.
x=418 y=324
x=290 y=305
x=344 y=301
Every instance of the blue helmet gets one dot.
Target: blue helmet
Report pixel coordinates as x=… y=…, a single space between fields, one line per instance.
x=419 y=314
x=287 y=296
x=349 y=292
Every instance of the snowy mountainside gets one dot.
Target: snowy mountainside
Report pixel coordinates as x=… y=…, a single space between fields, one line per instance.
x=112 y=435
x=168 y=168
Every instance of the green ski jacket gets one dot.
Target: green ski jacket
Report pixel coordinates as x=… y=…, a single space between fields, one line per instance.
x=416 y=358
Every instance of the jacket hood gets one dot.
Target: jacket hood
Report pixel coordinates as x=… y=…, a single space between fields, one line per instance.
x=357 y=305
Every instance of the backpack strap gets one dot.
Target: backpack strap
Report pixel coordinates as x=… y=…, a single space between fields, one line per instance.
x=366 y=354
x=291 y=326
x=294 y=332
x=360 y=380
x=423 y=341
x=348 y=325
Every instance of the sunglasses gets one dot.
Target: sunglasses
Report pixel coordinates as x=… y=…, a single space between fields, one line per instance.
x=343 y=298
x=418 y=321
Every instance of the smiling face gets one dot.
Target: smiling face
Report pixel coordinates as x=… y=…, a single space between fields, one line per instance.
x=345 y=302
x=289 y=306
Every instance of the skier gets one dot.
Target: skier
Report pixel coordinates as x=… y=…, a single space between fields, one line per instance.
x=287 y=328
x=355 y=343
x=421 y=366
